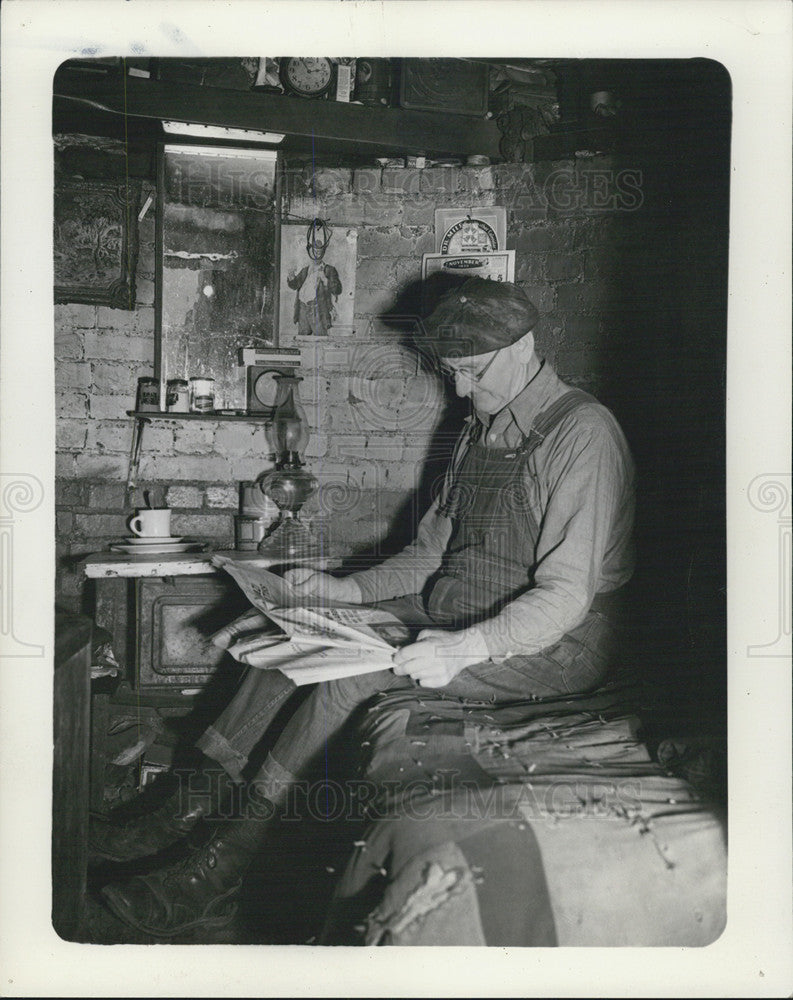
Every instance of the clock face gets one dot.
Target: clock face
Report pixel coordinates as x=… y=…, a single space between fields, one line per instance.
x=308 y=76
x=265 y=388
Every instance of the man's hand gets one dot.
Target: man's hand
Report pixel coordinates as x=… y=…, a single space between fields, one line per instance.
x=437 y=656
x=310 y=583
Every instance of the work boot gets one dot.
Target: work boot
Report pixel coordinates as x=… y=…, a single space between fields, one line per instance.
x=141 y=836
x=198 y=892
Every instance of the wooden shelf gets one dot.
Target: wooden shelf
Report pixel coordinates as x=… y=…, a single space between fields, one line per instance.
x=143 y=417
x=331 y=125
x=160 y=415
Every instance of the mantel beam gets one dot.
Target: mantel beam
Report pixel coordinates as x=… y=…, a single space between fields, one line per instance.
x=329 y=123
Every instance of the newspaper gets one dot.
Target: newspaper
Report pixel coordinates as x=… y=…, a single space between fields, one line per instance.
x=310 y=642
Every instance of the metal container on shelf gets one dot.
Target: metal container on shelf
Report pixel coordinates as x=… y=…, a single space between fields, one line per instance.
x=257 y=513
x=373 y=81
x=249 y=531
x=148 y=398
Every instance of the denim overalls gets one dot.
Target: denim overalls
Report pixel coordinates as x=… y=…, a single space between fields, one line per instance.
x=492 y=551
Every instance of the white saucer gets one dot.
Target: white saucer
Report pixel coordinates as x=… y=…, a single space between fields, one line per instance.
x=162 y=547
x=152 y=539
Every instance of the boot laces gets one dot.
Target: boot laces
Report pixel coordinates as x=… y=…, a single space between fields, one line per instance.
x=194 y=863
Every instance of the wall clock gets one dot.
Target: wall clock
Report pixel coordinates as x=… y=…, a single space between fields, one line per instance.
x=306 y=76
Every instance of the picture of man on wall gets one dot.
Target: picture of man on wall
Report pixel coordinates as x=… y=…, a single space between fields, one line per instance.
x=317 y=285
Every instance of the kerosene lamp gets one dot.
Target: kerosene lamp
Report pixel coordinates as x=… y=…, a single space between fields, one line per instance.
x=288 y=485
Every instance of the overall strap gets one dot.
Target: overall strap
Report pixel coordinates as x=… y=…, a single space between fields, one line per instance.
x=548 y=420
x=543 y=424
x=461 y=447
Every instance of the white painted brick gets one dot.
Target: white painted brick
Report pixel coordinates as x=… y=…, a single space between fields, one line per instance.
x=158 y=438
x=70 y=435
x=318 y=445
x=113 y=346
x=72 y=375
x=325 y=355
x=418 y=416
x=350 y=445
x=144 y=291
x=346 y=418
x=419 y=419
x=101 y=525
x=71 y=404
x=416 y=454
x=373 y=302
x=317 y=416
x=110 y=376
x=477 y=179
x=339 y=390
x=381 y=393
x=64 y=522
x=425 y=390
x=382 y=359
x=144 y=321
x=343 y=475
x=248 y=467
x=110 y=436
x=64 y=464
x=385 y=451
x=185 y=496
x=222 y=496
x=115 y=319
x=69 y=344
x=401 y=476
x=203 y=525
x=313 y=389
x=110 y=407
x=100 y=466
x=235 y=438
x=338 y=357
x=206 y=468
x=74 y=315
x=106 y=495
x=193 y=437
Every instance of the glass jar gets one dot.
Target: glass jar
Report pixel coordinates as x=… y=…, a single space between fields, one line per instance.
x=202 y=395
x=177 y=396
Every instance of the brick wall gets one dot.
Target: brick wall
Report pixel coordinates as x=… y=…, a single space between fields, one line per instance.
x=378 y=415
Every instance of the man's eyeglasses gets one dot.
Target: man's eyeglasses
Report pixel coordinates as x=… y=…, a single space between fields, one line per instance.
x=475 y=377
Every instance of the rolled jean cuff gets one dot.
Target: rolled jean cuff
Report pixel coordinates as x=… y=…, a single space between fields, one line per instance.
x=217 y=747
x=273 y=781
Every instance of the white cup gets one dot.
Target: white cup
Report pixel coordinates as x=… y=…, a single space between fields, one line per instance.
x=152 y=522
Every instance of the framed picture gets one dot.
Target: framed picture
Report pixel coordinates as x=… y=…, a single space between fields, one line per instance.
x=95 y=241
x=499 y=266
x=470 y=230
x=316 y=292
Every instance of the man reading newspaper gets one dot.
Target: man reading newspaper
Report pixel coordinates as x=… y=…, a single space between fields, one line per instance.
x=513 y=581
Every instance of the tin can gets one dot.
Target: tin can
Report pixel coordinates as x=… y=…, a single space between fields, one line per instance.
x=202 y=395
x=249 y=531
x=177 y=396
x=372 y=81
x=148 y=398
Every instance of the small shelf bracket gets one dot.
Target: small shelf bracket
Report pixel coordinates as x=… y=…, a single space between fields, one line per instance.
x=138 y=424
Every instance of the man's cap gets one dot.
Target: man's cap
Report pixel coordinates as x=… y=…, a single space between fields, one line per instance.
x=477 y=317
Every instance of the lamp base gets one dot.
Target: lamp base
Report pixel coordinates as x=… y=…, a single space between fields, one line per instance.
x=289 y=541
